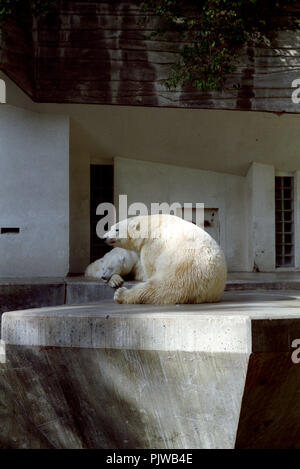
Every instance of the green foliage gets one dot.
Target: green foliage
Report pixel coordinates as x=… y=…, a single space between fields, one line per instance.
x=213 y=32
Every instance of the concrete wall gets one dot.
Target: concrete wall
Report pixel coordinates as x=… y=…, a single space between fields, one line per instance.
x=34 y=193
x=260 y=182
x=79 y=204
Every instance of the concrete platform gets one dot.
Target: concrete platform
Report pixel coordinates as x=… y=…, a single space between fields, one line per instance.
x=188 y=376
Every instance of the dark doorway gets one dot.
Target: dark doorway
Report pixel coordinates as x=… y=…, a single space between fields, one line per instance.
x=102 y=190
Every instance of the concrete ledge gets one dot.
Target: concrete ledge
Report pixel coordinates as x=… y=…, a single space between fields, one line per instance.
x=18 y=294
x=241 y=322
x=108 y=325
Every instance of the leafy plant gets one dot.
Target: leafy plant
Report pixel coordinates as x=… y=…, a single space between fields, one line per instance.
x=213 y=32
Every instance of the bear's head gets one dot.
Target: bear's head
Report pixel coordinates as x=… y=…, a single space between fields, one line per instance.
x=129 y=234
x=112 y=263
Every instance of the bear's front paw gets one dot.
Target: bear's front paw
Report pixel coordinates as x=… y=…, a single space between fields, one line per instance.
x=119 y=295
x=115 y=281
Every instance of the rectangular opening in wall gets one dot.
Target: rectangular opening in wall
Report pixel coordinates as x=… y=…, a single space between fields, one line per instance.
x=284 y=219
x=10 y=230
x=102 y=183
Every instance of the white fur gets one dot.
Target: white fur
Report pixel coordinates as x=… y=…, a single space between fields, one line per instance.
x=182 y=262
x=114 y=265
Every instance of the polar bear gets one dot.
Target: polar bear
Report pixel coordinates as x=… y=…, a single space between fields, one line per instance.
x=182 y=262
x=116 y=263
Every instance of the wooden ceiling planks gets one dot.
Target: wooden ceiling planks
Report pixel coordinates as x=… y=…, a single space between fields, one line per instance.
x=100 y=53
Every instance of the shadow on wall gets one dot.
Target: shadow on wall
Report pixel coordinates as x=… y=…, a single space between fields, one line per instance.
x=79 y=398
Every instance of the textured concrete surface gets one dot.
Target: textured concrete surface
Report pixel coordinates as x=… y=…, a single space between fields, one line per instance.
x=188 y=376
x=110 y=398
x=270 y=411
x=109 y=325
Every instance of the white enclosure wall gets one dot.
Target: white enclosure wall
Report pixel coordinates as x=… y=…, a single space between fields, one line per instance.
x=34 y=193
x=261 y=217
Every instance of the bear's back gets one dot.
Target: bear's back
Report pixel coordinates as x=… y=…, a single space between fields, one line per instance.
x=170 y=227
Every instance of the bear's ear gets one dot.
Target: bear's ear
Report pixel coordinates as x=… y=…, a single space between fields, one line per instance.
x=136 y=225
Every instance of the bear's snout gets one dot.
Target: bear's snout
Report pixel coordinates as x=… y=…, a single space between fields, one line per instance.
x=107 y=239
x=110 y=241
